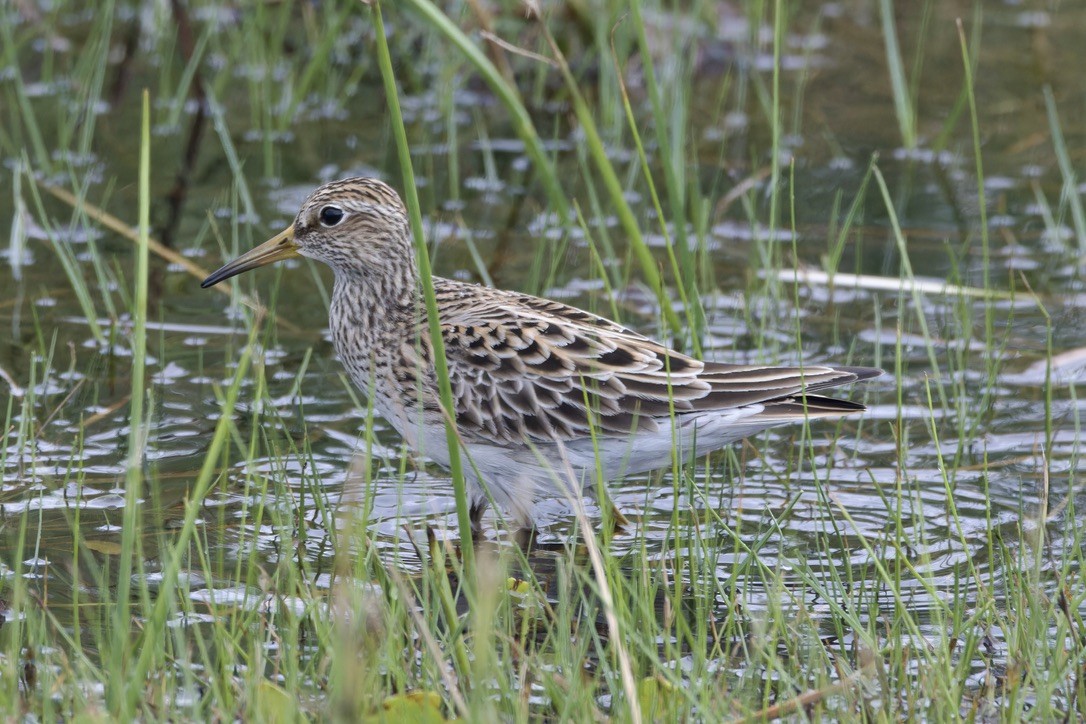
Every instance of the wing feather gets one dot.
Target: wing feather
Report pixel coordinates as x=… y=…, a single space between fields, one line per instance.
x=530 y=369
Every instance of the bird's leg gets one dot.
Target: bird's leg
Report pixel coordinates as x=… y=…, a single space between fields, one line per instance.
x=619 y=522
x=475 y=513
x=525 y=538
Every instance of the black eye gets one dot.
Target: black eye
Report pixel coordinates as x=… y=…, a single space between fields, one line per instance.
x=330 y=215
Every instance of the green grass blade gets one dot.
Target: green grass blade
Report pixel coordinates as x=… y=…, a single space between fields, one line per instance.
x=423 y=258
x=119 y=704
x=507 y=94
x=903 y=105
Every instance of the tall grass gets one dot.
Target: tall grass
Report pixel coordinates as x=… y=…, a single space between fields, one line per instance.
x=903 y=99
x=131 y=545
x=880 y=568
x=441 y=366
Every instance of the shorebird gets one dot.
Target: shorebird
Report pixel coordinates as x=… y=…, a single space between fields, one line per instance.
x=548 y=398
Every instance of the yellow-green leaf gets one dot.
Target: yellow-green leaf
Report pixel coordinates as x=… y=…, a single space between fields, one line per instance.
x=414 y=707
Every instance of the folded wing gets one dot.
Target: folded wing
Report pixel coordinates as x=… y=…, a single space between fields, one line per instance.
x=529 y=369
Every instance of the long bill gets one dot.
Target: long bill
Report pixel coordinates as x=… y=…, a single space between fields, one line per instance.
x=279 y=247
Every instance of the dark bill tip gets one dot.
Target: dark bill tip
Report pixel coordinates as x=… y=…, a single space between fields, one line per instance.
x=217 y=276
x=281 y=246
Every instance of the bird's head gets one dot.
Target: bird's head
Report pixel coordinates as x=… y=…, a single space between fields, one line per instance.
x=356 y=226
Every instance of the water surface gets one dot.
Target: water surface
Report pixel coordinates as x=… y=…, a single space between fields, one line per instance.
x=969 y=418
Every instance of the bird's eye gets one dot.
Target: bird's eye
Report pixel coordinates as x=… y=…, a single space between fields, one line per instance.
x=330 y=215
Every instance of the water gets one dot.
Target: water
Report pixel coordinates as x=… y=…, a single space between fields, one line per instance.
x=969 y=432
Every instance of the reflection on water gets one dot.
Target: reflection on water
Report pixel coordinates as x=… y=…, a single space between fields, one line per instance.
x=967 y=432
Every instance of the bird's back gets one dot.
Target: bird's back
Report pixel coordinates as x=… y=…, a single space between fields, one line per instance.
x=531 y=370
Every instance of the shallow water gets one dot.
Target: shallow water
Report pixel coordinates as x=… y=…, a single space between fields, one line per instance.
x=969 y=431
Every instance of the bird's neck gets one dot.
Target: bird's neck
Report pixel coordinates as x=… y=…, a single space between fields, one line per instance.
x=376 y=321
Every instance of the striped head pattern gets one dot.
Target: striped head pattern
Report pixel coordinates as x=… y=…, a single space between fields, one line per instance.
x=357 y=226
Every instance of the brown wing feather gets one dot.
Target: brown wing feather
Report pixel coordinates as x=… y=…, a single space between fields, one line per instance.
x=525 y=368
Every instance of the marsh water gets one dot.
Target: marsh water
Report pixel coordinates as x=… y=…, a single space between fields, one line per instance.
x=973 y=435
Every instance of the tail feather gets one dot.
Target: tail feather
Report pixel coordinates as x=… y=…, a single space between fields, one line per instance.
x=809 y=406
x=784 y=389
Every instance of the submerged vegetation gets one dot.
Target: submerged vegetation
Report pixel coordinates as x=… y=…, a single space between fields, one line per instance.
x=202 y=518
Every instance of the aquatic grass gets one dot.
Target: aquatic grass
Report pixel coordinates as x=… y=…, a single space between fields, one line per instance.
x=904 y=100
x=611 y=183
x=1070 y=193
x=150 y=656
x=90 y=69
x=748 y=607
x=950 y=123
x=982 y=200
x=765 y=251
x=682 y=263
x=83 y=94
x=527 y=133
x=71 y=267
x=322 y=40
x=831 y=261
x=907 y=273
x=509 y=96
x=131 y=550
x=670 y=141
x=189 y=79
x=441 y=369
x=22 y=122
